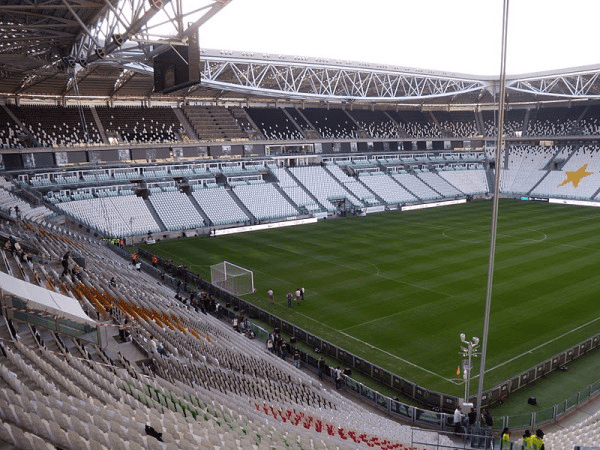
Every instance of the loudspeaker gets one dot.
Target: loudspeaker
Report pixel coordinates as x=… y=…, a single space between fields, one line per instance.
x=69 y=61
x=156 y=4
x=118 y=39
x=178 y=67
x=100 y=53
x=532 y=401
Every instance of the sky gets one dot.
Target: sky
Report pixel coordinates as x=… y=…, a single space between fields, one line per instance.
x=461 y=36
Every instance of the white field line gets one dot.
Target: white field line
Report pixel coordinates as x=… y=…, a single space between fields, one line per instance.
x=542 y=345
x=377 y=348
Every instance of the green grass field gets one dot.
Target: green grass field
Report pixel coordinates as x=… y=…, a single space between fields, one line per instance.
x=397 y=288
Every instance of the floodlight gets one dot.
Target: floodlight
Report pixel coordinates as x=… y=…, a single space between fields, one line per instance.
x=462 y=337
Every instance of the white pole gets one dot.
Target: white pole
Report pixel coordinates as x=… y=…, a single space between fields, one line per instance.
x=499 y=148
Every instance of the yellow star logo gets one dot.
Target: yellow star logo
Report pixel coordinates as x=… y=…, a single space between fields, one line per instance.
x=575 y=176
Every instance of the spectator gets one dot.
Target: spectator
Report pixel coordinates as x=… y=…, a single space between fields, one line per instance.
x=538 y=440
x=297 y=359
x=283 y=350
x=65 y=264
x=154 y=261
x=527 y=439
x=320 y=367
x=157 y=347
x=338 y=378
x=472 y=416
x=77 y=272
x=124 y=333
x=486 y=418
x=289 y=299
x=270 y=294
x=458 y=418
x=505 y=439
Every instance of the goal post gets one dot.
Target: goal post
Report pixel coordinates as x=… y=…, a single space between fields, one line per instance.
x=232 y=278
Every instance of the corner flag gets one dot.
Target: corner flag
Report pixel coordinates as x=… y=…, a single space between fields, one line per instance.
x=458 y=372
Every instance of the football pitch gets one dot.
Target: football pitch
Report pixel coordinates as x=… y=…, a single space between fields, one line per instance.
x=398 y=288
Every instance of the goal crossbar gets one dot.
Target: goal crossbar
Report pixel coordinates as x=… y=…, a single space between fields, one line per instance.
x=232 y=278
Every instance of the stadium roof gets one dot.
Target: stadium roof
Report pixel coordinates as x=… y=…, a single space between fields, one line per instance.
x=103 y=50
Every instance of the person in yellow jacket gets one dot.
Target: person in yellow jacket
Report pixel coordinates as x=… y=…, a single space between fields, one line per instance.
x=527 y=437
x=537 y=441
x=505 y=439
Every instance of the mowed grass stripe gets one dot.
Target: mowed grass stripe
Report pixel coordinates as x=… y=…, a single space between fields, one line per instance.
x=409 y=283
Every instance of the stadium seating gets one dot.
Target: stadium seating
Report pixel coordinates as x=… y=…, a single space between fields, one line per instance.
x=470 y=181
x=274 y=124
x=176 y=210
x=525 y=169
x=136 y=124
x=297 y=194
x=113 y=216
x=555 y=183
x=10 y=133
x=323 y=186
x=331 y=124
x=376 y=124
x=220 y=206
x=264 y=201
x=52 y=126
x=353 y=185
x=386 y=188
x=416 y=187
x=440 y=184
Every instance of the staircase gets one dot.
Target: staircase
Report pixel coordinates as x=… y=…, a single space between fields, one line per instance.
x=299 y=183
x=237 y=200
x=349 y=192
x=155 y=215
x=199 y=209
x=282 y=192
x=22 y=127
x=213 y=123
x=185 y=123
x=479 y=122
x=489 y=174
x=99 y=125
x=291 y=119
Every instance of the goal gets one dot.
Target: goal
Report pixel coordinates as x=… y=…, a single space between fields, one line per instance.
x=231 y=278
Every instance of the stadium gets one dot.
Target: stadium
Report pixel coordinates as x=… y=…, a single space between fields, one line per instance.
x=194 y=240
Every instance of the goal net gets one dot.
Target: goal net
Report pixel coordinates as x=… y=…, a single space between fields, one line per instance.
x=231 y=278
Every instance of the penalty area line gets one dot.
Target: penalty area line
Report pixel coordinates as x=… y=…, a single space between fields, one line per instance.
x=378 y=349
